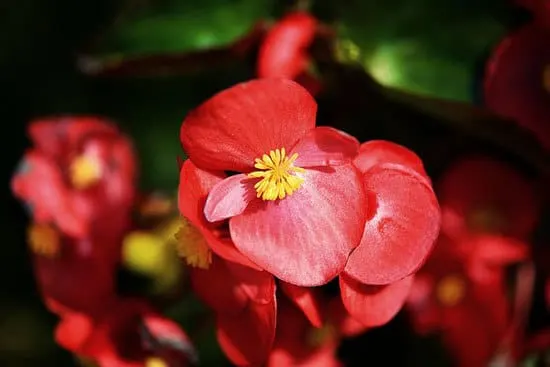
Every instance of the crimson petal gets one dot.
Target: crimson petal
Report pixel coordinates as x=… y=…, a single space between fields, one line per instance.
x=307 y=300
x=402 y=228
x=374 y=305
x=242 y=123
x=305 y=239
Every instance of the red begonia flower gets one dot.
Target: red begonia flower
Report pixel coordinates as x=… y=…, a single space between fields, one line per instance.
x=472 y=317
x=403 y=215
x=517 y=81
x=79 y=175
x=284 y=51
x=292 y=177
x=374 y=305
x=245 y=307
x=71 y=273
x=127 y=334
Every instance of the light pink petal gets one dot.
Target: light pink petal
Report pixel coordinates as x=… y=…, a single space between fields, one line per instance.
x=229 y=197
x=403 y=225
x=305 y=239
x=325 y=146
x=374 y=305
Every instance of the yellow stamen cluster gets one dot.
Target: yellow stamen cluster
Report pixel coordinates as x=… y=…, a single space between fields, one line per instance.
x=276 y=171
x=319 y=336
x=451 y=290
x=43 y=240
x=84 y=172
x=192 y=246
x=155 y=362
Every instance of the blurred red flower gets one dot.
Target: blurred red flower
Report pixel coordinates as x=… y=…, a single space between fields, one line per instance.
x=292 y=177
x=128 y=333
x=540 y=10
x=79 y=176
x=472 y=317
x=284 y=52
x=517 y=81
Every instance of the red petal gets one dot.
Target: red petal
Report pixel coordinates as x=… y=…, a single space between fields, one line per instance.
x=403 y=227
x=57 y=136
x=483 y=183
x=375 y=152
x=325 y=146
x=247 y=338
x=514 y=84
x=283 y=52
x=194 y=186
x=259 y=286
x=374 y=305
x=219 y=288
x=307 y=300
x=236 y=126
x=229 y=198
x=73 y=330
x=305 y=238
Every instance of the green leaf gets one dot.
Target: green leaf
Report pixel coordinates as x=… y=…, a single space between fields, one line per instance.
x=179 y=26
x=427 y=47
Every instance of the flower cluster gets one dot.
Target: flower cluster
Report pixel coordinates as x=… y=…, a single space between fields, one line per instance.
x=275 y=208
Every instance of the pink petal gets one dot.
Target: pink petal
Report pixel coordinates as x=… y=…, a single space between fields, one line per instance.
x=376 y=152
x=248 y=338
x=229 y=198
x=403 y=226
x=236 y=126
x=374 y=305
x=307 y=300
x=305 y=238
x=325 y=146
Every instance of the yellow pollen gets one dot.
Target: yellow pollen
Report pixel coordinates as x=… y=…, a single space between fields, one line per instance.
x=486 y=220
x=546 y=78
x=43 y=240
x=319 y=336
x=192 y=246
x=451 y=290
x=276 y=171
x=84 y=172
x=155 y=362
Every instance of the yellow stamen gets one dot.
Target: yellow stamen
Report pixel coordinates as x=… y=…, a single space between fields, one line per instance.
x=276 y=171
x=155 y=362
x=319 y=336
x=192 y=246
x=546 y=78
x=486 y=220
x=451 y=290
x=84 y=172
x=43 y=240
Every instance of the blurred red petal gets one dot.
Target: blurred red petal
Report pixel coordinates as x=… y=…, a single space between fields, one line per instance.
x=402 y=227
x=292 y=239
x=283 y=53
x=242 y=123
x=248 y=337
x=374 y=305
x=307 y=300
x=73 y=330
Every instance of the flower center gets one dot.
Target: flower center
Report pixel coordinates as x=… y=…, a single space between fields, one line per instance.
x=155 y=362
x=276 y=171
x=84 y=172
x=43 y=240
x=546 y=78
x=319 y=336
x=192 y=246
x=486 y=220
x=451 y=290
